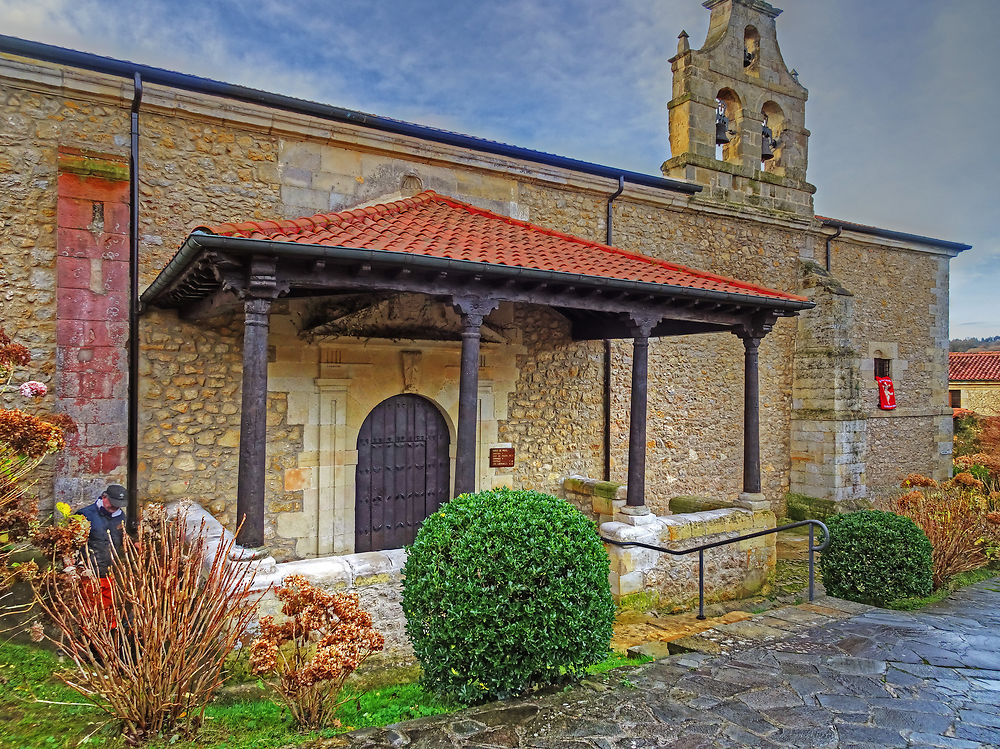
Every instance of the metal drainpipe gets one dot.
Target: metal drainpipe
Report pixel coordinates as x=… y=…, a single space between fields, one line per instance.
x=607 y=349
x=829 y=251
x=132 y=458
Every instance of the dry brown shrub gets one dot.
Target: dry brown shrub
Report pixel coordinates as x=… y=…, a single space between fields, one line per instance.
x=956 y=522
x=155 y=657
x=910 y=498
x=323 y=639
x=989 y=435
x=917 y=479
x=967 y=480
x=25 y=440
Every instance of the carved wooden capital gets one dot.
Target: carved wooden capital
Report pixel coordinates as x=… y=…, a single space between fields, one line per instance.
x=643 y=323
x=754 y=328
x=473 y=309
x=262 y=280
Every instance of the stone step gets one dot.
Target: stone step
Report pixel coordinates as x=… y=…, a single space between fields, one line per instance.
x=653 y=634
x=727 y=633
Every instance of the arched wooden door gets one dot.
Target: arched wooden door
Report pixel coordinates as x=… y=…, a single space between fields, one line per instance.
x=403 y=472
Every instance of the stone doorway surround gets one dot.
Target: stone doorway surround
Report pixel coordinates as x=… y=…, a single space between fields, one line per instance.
x=330 y=389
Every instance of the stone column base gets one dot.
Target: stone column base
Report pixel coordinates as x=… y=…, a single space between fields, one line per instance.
x=752 y=501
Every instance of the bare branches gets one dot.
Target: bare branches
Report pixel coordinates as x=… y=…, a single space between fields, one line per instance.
x=148 y=645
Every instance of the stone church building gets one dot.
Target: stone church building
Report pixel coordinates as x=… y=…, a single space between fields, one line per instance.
x=346 y=319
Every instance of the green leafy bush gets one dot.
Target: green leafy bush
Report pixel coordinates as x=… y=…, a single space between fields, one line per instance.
x=505 y=590
x=876 y=557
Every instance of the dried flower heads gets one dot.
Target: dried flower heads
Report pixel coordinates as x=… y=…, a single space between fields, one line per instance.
x=323 y=639
x=916 y=479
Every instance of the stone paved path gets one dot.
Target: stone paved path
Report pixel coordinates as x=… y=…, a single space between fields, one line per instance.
x=832 y=675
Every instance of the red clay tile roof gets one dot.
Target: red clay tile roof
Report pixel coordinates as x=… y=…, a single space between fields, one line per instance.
x=440 y=226
x=983 y=366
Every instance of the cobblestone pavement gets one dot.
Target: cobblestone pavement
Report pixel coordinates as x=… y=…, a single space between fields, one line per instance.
x=834 y=674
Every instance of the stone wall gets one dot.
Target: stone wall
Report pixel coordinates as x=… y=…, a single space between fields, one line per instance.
x=666 y=581
x=901 y=314
x=981 y=397
x=829 y=440
x=193 y=171
x=598 y=500
x=376 y=577
x=654 y=579
x=696 y=382
x=555 y=415
x=203 y=163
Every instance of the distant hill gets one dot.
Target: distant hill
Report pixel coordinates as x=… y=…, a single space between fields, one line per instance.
x=990 y=343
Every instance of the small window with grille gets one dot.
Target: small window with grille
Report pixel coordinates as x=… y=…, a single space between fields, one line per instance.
x=883 y=367
x=955 y=398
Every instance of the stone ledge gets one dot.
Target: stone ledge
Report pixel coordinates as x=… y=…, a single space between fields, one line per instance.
x=670 y=581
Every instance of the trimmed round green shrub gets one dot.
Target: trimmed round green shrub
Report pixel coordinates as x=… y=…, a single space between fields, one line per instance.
x=876 y=557
x=505 y=590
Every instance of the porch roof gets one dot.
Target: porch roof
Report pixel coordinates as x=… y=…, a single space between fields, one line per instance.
x=435 y=244
x=440 y=226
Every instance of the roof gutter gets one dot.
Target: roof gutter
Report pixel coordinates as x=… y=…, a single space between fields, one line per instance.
x=890 y=234
x=123 y=69
x=132 y=428
x=198 y=242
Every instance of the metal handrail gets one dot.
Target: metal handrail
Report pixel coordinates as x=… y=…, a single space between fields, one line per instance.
x=701 y=552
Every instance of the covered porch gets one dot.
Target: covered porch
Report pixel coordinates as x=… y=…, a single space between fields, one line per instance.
x=471 y=261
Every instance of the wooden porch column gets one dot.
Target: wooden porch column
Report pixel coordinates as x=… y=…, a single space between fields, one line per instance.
x=636 y=492
x=751 y=333
x=751 y=416
x=472 y=310
x=253 y=416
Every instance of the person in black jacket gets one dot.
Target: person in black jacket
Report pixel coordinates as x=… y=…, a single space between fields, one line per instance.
x=106 y=517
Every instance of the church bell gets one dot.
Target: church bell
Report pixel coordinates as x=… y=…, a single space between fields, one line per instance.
x=721 y=124
x=767 y=144
x=721 y=129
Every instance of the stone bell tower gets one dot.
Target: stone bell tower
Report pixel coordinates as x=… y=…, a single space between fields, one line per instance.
x=737 y=116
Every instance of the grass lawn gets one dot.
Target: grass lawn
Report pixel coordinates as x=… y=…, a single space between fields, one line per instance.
x=38 y=712
x=958 y=581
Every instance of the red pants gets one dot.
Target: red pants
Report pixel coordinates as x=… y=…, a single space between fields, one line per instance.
x=101 y=594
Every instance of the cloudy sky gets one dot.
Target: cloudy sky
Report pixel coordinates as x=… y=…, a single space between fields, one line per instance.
x=903 y=106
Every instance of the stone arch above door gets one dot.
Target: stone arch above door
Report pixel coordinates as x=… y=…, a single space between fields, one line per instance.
x=403 y=472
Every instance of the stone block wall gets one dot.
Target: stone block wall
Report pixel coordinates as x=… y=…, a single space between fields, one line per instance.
x=659 y=580
x=555 y=416
x=981 y=397
x=901 y=314
x=92 y=282
x=598 y=500
x=375 y=576
x=829 y=440
x=695 y=406
x=654 y=579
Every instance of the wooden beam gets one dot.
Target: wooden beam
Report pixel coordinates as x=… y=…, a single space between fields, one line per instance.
x=219 y=303
x=445 y=284
x=262 y=288
x=253 y=424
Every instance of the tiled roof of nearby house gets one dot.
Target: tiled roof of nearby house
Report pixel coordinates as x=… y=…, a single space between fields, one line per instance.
x=440 y=226
x=982 y=367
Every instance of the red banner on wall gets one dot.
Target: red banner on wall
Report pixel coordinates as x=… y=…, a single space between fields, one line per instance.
x=886 y=393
